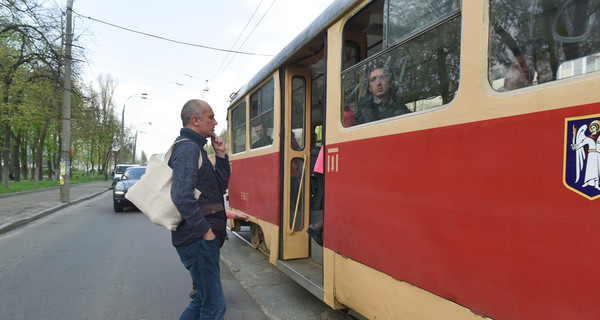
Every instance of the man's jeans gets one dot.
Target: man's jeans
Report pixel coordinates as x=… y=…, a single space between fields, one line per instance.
x=201 y=258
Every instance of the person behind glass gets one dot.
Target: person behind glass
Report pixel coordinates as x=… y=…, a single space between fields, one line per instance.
x=263 y=138
x=519 y=75
x=379 y=103
x=201 y=234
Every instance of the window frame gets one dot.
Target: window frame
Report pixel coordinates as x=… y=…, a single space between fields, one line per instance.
x=265 y=112
x=243 y=124
x=386 y=52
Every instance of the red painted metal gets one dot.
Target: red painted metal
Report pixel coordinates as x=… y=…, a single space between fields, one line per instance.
x=254 y=186
x=476 y=213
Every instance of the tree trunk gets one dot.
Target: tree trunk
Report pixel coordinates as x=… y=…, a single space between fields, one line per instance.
x=24 y=162
x=40 y=151
x=6 y=156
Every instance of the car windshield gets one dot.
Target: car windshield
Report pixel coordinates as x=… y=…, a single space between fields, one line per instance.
x=121 y=169
x=134 y=173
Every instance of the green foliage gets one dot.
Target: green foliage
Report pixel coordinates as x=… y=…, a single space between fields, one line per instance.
x=31 y=98
x=143 y=159
x=14 y=186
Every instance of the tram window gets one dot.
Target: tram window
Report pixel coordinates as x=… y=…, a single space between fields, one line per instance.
x=317 y=92
x=413 y=76
x=351 y=54
x=532 y=42
x=238 y=128
x=261 y=115
x=382 y=24
x=363 y=34
x=407 y=17
x=298 y=112
x=297 y=194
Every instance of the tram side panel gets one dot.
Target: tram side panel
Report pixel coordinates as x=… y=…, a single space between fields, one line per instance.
x=475 y=213
x=254 y=186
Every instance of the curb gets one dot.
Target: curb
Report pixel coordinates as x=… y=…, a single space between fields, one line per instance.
x=21 y=222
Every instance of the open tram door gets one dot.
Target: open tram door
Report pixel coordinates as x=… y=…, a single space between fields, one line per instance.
x=296 y=168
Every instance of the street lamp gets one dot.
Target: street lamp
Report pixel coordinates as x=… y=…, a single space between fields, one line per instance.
x=139 y=95
x=135 y=140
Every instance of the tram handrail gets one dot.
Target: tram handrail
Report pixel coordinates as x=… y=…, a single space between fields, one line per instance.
x=291 y=231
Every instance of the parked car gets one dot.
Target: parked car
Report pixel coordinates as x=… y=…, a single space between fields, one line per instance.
x=128 y=179
x=119 y=170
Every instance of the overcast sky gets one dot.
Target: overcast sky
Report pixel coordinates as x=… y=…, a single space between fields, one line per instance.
x=172 y=73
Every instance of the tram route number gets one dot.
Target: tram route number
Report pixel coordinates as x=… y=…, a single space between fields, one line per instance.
x=244 y=196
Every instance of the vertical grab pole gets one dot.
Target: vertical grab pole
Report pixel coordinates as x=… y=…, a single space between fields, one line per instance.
x=290 y=232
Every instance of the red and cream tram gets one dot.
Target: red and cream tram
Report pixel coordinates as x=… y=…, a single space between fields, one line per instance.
x=460 y=158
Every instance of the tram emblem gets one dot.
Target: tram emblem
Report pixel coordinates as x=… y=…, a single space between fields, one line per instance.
x=582 y=155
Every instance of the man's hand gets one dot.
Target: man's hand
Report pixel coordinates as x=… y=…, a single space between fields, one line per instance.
x=242 y=216
x=209 y=235
x=219 y=146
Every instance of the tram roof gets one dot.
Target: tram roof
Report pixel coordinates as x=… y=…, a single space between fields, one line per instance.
x=313 y=30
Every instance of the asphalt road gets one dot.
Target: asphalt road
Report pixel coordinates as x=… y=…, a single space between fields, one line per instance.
x=87 y=262
x=84 y=261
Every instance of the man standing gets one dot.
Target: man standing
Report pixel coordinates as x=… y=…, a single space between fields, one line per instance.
x=200 y=235
x=379 y=103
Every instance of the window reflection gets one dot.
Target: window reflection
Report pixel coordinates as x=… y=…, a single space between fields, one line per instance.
x=238 y=128
x=406 y=17
x=298 y=112
x=414 y=76
x=261 y=115
x=296 y=195
x=533 y=42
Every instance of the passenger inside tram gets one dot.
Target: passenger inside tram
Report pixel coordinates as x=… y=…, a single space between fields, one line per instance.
x=263 y=137
x=381 y=101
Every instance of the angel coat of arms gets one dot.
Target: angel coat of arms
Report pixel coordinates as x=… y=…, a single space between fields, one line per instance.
x=582 y=166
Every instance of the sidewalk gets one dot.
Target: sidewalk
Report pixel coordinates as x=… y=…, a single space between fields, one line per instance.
x=17 y=209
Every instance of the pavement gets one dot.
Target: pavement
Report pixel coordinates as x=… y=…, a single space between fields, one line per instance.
x=20 y=208
x=262 y=291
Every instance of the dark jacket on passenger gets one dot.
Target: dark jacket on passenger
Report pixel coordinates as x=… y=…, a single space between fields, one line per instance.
x=211 y=181
x=368 y=109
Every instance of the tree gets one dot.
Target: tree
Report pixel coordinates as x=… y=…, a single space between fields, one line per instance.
x=143 y=159
x=25 y=51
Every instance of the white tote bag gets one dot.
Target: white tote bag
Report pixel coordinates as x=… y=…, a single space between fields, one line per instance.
x=152 y=193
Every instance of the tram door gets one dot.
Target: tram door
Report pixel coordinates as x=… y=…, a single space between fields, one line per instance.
x=296 y=215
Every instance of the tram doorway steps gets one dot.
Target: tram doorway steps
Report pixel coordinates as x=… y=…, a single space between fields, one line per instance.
x=306 y=273
x=316 y=251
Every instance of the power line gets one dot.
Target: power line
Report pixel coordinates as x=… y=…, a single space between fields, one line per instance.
x=238 y=38
x=148 y=77
x=171 y=40
x=151 y=66
x=259 y=21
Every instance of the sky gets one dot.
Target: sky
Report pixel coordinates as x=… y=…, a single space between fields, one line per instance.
x=172 y=73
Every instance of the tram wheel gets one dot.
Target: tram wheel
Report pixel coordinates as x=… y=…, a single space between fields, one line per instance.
x=257 y=238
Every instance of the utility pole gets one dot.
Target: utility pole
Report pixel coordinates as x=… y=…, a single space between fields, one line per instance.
x=65 y=149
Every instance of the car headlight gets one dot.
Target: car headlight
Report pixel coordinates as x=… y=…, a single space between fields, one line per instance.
x=120 y=188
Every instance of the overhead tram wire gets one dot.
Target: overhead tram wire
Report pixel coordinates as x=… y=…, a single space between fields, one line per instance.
x=151 y=66
x=149 y=77
x=259 y=21
x=238 y=38
x=145 y=76
x=171 y=40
